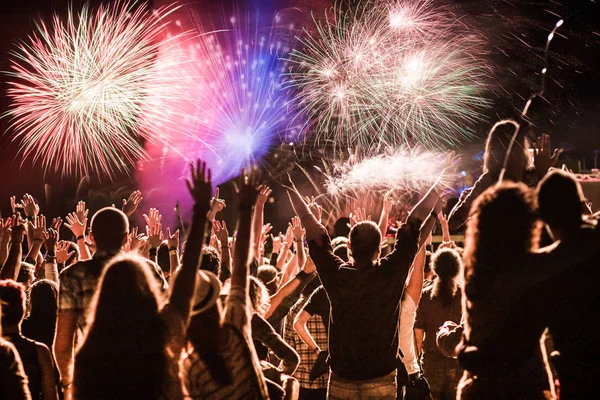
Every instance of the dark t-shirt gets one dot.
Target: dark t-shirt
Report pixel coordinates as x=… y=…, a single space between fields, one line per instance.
x=365 y=304
x=432 y=314
x=318 y=304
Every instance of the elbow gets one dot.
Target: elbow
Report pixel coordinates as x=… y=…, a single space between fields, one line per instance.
x=291 y=364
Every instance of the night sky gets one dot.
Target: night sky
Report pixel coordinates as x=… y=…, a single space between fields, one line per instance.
x=515 y=31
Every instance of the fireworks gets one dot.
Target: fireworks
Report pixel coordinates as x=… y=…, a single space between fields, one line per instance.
x=234 y=109
x=388 y=75
x=402 y=170
x=78 y=88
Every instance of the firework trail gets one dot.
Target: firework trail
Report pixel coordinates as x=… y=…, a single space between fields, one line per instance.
x=401 y=170
x=78 y=87
x=389 y=74
x=234 y=109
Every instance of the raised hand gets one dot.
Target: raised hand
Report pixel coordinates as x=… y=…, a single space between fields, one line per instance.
x=50 y=240
x=135 y=239
x=278 y=242
x=214 y=241
x=248 y=190
x=315 y=209
x=543 y=160
x=263 y=195
x=173 y=240
x=155 y=236
x=131 y=204
x=75 y=225
x=56 y=224
x=297 y=229
x=443 y=219
x=357 y=216
x=17 y=229
x=37 y=228
x=62 y=252
x=30 y=207
x=200 y=186
x=220 y=229
x=388 y=202
x=216 y=205
x=289 y=236
x=153 y=218
x=14 y=205
x=81 y=211
x=5 y=230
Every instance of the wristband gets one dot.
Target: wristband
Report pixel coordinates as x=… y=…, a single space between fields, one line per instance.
x=174 y=252
x=50 y=259
x=173 y=248
x=224 y=247
x=79 y=238
x=37 y=240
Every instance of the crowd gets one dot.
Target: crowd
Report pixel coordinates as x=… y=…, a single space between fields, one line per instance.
x=117 y=314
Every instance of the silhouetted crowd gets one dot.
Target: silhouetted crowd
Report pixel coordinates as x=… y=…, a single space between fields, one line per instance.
x=93 y=308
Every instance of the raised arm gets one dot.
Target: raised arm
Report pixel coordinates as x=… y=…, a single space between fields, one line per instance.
x=173 y=243
x=50 y=262
x=243 y=248
x=299 y=233
x=184 y=283
x=11 y=267
x=388 y=203
x=78 y=226
x=258 y=218
x=5 y=239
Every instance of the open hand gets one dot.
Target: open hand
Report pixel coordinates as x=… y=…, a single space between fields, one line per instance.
x=81 y=211
x=153 y=218
x=131 y=204
x=63 y=253
x=263 y=195
x=543 y=160
x=50 y=240
x=200 y=185
x=155 y=236
x=357 y=216
x=220 y=229
x=30 y=207
x=75 y=225
x=297 y=229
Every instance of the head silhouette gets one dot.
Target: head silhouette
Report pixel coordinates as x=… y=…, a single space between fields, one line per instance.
x=110 y=228
x=365 y=242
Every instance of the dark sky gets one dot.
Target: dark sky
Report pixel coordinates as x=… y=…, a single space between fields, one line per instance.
x=515 y=30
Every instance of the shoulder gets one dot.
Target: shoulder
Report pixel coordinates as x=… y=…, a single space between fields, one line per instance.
x=80 y=268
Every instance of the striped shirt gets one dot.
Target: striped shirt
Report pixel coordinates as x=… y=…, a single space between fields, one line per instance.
x=239 y=354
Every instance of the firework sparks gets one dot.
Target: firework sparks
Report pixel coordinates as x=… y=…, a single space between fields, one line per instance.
x=389 y=74
x=234 y=109
x=402 y=170
x=78 y=87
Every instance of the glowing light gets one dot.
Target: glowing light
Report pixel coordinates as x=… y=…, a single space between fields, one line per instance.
x=78 y=87
x=408 y=73
x=402 y=170
x=234 y=108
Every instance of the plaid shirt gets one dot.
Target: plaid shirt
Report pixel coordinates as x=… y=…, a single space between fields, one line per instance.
x=307 y=357
x=78 y=284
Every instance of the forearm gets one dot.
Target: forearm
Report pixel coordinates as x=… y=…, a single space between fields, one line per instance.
x=303 y=333
x=290 y=270
x=63 y=347
x=84 y=251
x=3 y=250
x=287 y=296
x=51 y=270
x=313 y=227
x=300 y=255
x=173 y=262
x=426 y=229
x=383 y=222
x=225 y=256
x=283 y=255
x=424 y=207
x=243 y=253
x=34 y=251
x=258 y=221
x=184 y=283
x=11 y=268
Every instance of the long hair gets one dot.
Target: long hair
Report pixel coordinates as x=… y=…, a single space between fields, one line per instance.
x=259 y=296
x=502 y=230
x=204 y=334
x=40 y=325
x=446 y=264
x=497 y=144
x=125 y=345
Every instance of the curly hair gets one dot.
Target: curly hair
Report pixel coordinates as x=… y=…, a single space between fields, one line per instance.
x=446 y=264
x=259 y=296
x=211 y=260
x=12 y=299
x=503 y=229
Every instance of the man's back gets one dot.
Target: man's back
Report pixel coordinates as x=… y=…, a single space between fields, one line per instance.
x=365 y=305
